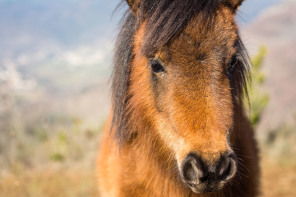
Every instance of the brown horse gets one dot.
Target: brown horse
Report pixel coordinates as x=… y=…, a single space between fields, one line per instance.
x=177 y=125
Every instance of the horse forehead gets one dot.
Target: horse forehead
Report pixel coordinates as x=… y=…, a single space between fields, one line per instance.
x=202 y=37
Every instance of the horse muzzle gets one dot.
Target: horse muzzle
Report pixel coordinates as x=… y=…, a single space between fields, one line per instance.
x=201 y=177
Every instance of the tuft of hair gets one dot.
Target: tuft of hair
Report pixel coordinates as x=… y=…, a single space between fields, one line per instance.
x=242 y=76
x=166 y=19
x=120 y=76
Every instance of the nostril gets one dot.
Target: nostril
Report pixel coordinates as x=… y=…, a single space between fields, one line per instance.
x=227 y=168
x=192 y=169
x=232 y=168
x=189 y=172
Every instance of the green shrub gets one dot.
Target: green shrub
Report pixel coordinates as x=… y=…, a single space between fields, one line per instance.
x=258 y=99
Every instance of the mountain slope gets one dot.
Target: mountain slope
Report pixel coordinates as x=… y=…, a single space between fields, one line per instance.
x=276 y=29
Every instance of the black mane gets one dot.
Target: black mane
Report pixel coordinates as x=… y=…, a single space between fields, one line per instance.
x=165 y=20
x=120 y=76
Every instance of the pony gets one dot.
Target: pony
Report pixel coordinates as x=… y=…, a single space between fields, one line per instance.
x=177 y=125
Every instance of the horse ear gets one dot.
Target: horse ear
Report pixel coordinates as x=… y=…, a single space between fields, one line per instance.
x=235 y=3
x=134 y=5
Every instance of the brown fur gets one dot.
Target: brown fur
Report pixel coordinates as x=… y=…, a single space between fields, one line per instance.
x=190 y=109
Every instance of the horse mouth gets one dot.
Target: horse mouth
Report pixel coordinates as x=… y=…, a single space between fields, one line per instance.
x=206 y=187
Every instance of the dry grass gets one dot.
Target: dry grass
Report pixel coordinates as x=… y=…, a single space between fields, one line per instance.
x=277 y=180
x=50 y=183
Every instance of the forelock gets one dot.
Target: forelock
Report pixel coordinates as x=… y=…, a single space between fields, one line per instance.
x=166 y=19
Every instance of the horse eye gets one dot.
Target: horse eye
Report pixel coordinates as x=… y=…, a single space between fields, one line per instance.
x=232 y=63
x=156 y=66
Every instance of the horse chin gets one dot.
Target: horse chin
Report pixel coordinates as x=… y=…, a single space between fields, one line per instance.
x=206 y=188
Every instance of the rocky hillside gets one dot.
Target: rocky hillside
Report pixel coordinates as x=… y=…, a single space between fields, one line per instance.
x=275 y=28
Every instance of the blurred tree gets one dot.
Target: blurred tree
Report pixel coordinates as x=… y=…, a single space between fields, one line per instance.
x=258 y=99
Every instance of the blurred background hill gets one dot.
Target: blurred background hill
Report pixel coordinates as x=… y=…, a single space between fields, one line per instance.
x=56 y=48
x=275 y=28
x=55 y=62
